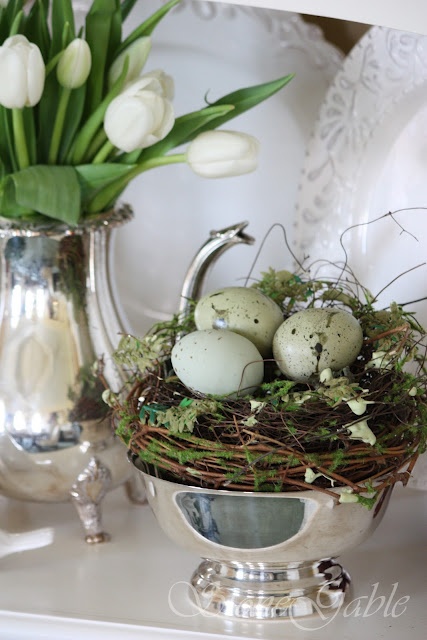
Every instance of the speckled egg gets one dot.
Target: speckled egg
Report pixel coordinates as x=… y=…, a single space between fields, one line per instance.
x=245 y=310
x=316 y=339
x=218 y=362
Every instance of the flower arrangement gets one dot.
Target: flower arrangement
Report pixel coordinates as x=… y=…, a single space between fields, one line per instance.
x=357 y=425
x=79 y=120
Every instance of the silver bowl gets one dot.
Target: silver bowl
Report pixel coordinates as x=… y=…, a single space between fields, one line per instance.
x=265 y=555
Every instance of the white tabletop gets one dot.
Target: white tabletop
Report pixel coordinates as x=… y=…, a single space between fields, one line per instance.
x=135 y=585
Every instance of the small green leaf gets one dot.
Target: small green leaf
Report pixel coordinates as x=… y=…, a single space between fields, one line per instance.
x=53 y=191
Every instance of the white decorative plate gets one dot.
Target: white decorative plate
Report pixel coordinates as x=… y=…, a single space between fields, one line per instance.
x=213 y=49
x=368 y=156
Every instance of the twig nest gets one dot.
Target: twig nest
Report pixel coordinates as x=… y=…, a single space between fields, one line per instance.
x=312 y=340
x=349 y=408
x=244 y=310
x=218 y=362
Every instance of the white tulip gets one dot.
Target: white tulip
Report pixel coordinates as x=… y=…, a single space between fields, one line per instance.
x=22 y=73
x=218 y=154
x=157 y=81
x=140 y=116
x=167 y=86
x=137 y=53
x=74 y=64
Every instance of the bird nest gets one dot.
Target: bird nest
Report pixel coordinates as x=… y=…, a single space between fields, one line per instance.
x=360 y=429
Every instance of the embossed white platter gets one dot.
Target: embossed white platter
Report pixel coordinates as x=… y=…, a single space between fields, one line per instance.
x=368 y=156
x=212 y=49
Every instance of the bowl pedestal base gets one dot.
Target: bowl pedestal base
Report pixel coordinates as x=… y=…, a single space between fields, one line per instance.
x=269 y=590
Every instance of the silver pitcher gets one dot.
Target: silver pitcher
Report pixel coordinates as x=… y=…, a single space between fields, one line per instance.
x=59 y=327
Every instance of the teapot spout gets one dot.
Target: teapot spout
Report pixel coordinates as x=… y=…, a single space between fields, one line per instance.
x=209 y=252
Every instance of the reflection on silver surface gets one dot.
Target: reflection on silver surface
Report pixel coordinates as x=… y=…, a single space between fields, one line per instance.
x=54 y=330
x=241 y=521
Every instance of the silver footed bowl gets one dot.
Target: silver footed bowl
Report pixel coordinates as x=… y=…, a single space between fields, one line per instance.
x=265 y=555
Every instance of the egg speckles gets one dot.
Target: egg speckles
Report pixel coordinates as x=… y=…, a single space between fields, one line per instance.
x=218 y=362
x=245 y=311
x=316 y=339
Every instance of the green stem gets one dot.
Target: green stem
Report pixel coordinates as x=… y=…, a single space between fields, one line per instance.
x=20 y=139
x=6 y=126
x=108 y=194
x=97 y=142
x=103 y=153
x=59 y=125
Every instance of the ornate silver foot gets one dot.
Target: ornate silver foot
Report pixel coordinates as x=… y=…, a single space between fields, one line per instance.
x=135 y=489
x=87 y=493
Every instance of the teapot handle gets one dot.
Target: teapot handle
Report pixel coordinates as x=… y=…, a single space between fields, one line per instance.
x=209 y=252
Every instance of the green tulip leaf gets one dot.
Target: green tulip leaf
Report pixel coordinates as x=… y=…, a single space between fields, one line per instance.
x=36 y=27
x=187 y=127
x=72 y=120
x=103 y=38
x=52 y=191
x=94 y=177
x=148 y=26
x=126 y=7
x=62 y=21
x=245 y=99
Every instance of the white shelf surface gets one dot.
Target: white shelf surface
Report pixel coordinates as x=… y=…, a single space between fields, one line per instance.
x=410 y=15
x=123 y=589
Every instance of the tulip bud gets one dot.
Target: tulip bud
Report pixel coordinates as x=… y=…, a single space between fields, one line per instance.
x=139 y=117
x=137 y=52
x=74 y=64
x=22 y=73
x=218 y=154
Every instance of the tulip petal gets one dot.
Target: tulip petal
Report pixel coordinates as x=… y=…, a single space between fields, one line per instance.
x=168 y=120
x=137 y=52
x=22 y=73
x=35 y=76
x=127 y=122
x=13 y=89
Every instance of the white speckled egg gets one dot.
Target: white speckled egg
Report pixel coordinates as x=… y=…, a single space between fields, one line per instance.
x=245 y=310
x=218 y=362
x=312 y=340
